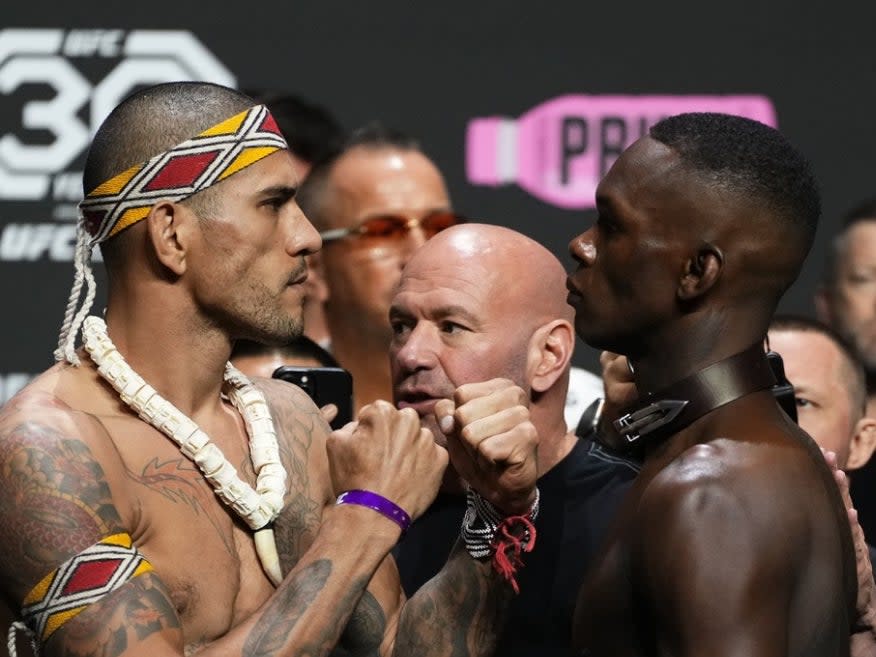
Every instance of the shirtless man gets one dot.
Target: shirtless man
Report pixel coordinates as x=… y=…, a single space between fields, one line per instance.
x=115 y=542
x=733 y=540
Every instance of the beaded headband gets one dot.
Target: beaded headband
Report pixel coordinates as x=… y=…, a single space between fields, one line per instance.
x=180 y=172
x=174 y=175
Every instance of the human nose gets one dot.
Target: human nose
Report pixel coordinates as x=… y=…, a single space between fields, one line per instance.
x=582 y=248
x=303 y=237
x=417 y=234
x=418 y=350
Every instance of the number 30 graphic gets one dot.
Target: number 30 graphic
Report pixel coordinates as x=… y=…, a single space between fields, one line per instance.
x=42 y=56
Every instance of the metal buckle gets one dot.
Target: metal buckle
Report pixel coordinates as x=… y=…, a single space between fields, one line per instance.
x=648 y=418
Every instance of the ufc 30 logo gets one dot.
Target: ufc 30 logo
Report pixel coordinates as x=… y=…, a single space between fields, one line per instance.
x=55 y=132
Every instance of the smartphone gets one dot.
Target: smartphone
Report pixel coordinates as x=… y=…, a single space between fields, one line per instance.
x=325 y=385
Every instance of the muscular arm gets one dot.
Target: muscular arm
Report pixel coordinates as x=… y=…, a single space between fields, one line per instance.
x=721 y=568
x=59 y=502
x=461 y=611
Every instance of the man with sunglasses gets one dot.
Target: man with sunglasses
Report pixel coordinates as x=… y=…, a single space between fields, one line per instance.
x=374 y=202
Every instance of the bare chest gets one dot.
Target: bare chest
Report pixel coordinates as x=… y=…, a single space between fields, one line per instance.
x=203 y=553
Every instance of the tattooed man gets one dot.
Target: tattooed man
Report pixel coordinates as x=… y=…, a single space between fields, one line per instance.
x=158 y=503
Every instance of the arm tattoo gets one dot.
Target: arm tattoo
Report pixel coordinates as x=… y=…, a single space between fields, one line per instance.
x=462 y=609
x=365 y=631
x=297 y=424
x=58 y=501
x=139 y=609
x=288 y=605
x=272 y=631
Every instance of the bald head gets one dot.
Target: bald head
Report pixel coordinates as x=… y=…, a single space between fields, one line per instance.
x=516 y=271
x=479 y=302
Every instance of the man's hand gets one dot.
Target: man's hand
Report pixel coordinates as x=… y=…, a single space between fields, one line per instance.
x=620 y=394
x=617 y=379
x=864 y=638
x=492 y=442
x=329 y=412
x=386 y=452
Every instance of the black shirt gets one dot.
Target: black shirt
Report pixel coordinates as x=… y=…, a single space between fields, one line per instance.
x=579 y=498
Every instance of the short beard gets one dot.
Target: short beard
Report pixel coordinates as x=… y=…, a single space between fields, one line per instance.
x=260 y=321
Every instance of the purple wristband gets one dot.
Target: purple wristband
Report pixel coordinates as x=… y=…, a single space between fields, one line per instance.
x=379 y=503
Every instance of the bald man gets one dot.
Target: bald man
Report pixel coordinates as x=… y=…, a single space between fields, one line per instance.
x=733 y=539
x=156 y=501
x=376 y=201
x=463 y=313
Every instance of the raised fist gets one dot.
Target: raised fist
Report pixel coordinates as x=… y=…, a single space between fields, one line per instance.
x=386 y=452
x=492 y=442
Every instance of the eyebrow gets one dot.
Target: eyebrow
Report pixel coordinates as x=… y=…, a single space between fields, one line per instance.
x=444 y=312
x=282 y=191
x=403 y=215
x=439 y=313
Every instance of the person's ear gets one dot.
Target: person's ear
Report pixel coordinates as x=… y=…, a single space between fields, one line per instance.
x=550 y=350
x=701 y=272
x=863 y=443
x=170 y=232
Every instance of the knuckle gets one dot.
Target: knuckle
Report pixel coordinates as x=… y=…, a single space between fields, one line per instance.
x=383 y=407
x=520 y=396
x=468 y=434
x=491 y=450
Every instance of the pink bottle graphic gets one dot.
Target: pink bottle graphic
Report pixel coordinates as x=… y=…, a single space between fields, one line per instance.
x=559 y=150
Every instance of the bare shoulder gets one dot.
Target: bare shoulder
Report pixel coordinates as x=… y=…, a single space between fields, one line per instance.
x=747 y=476
x=754 y=494
x=751 y=520
x=301 y=432
x=53 y=480
x=296 y=417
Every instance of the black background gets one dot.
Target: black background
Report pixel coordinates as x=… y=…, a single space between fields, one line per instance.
x=430 y=68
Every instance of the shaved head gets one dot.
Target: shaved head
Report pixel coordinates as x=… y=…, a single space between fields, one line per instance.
x=519 y=273
x=154 y=120
x=149 y=122
x=478 y=302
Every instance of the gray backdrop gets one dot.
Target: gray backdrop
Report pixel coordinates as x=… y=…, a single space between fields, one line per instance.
x=429 y=70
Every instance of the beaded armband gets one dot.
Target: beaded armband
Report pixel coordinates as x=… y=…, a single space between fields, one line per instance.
x=82 y=580
x=486 y=532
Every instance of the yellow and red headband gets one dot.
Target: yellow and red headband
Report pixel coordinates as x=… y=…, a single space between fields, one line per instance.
x=180 y=172
x=174 y=175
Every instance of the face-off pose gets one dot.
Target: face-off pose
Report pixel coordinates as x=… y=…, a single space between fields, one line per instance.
x=733 y=540
x=138 y=471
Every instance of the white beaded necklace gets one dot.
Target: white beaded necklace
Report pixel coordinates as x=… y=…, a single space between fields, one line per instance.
x=258 y=508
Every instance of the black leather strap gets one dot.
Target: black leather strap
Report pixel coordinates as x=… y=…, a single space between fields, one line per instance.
x=673 y=408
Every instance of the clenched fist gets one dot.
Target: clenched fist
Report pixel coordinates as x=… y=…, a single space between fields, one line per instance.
x=386 y=452
x=492 y=442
